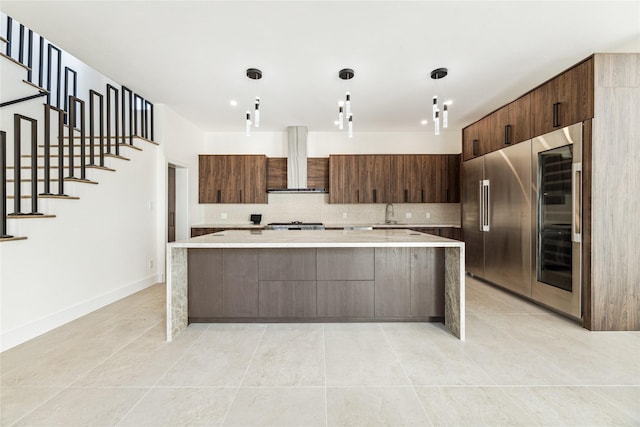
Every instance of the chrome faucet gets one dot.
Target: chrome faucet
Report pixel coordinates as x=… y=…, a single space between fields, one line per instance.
x=388 y=210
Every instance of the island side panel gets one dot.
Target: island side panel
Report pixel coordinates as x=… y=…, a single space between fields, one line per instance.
x=177 y=300
x=454 y=292
x=427 y=282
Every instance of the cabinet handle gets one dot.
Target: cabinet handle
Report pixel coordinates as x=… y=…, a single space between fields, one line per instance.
x=422 y=195
x=556 y=118
x=358 y=196
x=240 y=196
x=474 y=147
x=507 y=135
x=219 y=196
x=375 y=196
x=406 y=196
x=447 y=195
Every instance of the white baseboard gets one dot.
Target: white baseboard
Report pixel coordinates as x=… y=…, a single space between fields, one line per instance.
x=38 y=327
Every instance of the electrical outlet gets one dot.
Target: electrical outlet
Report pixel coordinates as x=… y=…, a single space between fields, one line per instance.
x=428 y=215
x=223 y=215
x=344 y=215
x=150 y=263
x=408 y=215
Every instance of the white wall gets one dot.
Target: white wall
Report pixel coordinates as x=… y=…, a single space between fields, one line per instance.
x=322 y=144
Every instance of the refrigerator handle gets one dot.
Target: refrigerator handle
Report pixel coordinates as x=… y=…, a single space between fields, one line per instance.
x=485 y=196
x=481 y=210
x=576 y=202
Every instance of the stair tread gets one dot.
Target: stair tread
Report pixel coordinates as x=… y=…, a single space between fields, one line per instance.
x=83 y=181
x=78 y=146
x=12 y=239
x=40 y=88
x=15 y=61
x=102 y=168
x=28 y=216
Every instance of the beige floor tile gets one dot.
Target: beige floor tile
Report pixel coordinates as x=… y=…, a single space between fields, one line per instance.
x=278 y=406
x=359 y=354
x=16 y=402
x=183 y=406
x=84 y=407
x=625 y=399
x=374 y=406
x=288 y=355
x=568 y=406
x=471 y=406
x=220 y=357
x=433 y=359
x=143 y=362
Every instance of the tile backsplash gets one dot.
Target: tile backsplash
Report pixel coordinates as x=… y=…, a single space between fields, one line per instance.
x=315 y=207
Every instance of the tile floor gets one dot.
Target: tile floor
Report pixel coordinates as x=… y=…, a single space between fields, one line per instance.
x=520 y=365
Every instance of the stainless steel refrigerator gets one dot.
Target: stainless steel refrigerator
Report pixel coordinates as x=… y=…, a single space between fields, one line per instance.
x=521 y=218
x=497 y=217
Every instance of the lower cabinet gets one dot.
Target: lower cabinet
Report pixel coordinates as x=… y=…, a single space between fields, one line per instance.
x=328 y=283
x=346 y=298
x=287 y=298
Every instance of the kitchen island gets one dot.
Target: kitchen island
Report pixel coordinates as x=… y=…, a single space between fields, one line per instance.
x=319 y=276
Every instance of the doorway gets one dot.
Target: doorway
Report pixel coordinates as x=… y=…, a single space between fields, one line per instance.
x=171 y=204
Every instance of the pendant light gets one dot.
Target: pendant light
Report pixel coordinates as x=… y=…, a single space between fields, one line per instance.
x=346 y=74
x=437 y=74
x=254 y=74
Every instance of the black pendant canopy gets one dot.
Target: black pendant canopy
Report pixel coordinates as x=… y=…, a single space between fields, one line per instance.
x=254 y=73
x=439 y=73
x=346 y=74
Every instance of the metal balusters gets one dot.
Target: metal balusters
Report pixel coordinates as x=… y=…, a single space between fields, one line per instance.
x=124 y=111
x=68 y=71
x=92 y=96
x=41 y=63
x=73 y=103
x=50 y=49
x=21 y=44
x=151 y=123
x=3 y=186
x=110 y=90
x=9 y=35
x=30 y=56
x=17 y=140
x=47 y=150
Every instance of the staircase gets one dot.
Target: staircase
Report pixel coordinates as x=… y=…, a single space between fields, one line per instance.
x=51 y=139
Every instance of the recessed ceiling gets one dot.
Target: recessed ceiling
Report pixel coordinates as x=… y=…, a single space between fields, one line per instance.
x=192 y=55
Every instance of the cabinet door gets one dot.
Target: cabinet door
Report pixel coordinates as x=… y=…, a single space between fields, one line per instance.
x=452 y=189
x=519 y=120
x=255 y=179
x=476 y=139
x=469 y=147
x=277 y=172
x=366 y=178
x=208 y=179
x=397 y=187
x=343 y=179
x=205 y=283
x=499 y=122
x=240 y=282
x=543 y=100
x=392 y=282
x=318 y=172
x=412 y=170
x=427 y=282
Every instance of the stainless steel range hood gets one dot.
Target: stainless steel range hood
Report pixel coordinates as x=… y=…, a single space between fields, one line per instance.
x=297 y=163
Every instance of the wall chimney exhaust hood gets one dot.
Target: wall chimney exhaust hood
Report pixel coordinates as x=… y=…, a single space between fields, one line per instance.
x=297 y=163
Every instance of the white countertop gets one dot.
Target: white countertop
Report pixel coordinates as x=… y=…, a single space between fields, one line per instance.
x=316 y=239
x=329 y=225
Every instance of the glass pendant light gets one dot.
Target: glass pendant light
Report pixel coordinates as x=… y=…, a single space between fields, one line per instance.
x=437 y=74
x=254 y=74
x=256 y=115
x=346 y=74
x=248 y=124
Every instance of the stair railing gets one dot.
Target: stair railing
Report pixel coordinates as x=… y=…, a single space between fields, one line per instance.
x=74 y=103
x=93 y=95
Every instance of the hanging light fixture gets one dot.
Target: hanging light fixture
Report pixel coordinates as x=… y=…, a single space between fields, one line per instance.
x=346 y=74
x=437 y=74
x=254 y=74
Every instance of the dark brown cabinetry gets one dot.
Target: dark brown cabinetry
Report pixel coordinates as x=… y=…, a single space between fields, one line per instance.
x=418 y=178
x=476 y=139
x=563 y=100
x=511 y=124
x=232 y=179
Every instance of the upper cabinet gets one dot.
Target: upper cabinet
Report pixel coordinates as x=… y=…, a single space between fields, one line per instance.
x=563 y=100
x=408 y=178
x=232 y=179
x=476 y=139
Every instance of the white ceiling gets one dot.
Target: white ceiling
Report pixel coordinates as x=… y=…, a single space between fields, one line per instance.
x=192 y=55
